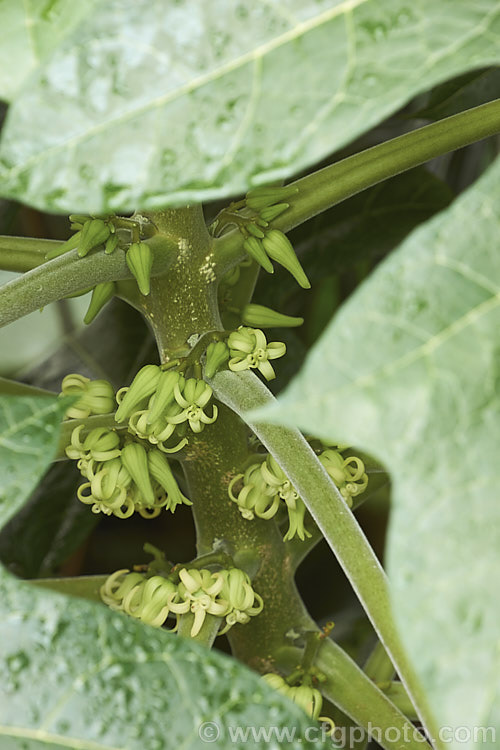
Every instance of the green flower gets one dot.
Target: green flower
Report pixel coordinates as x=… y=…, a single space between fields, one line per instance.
x=192 y=399
x=101 y=444
x=249 y=349
x=107 y=490
x=242 y=600
x=264 y=486
x=348 y=474
x=140 y=390
x=255 y=498
x=146 y=599
x=198 y=592
x=149 y=602
x=308 y=698
x=96 y=396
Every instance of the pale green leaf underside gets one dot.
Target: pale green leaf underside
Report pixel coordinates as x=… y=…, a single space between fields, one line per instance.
x=76 y=675
x=410 y=371
x=151 y=103
x=29 y=431
x=29 y=31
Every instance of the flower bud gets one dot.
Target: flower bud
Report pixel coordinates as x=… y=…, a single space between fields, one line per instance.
x=97 y=396
x=259 y=316
x=101 y=294
x=70 y=244
x=164 y=394
x=254 y=230
x=143 y=385
x=111 y=244
x=255 y=250
x=94 y=232
x=216 y=356
x=162 y=473
x=272 y=212
x=135 y=460
x=279 y=248
x=276 y=681
x=263 y=196
x=140 y=261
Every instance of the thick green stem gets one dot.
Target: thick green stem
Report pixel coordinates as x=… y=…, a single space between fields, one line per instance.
x=21 y=254
x=244 y=392
x=182 y=305
x=331 y=185
x=68 y=274
x=213 y=457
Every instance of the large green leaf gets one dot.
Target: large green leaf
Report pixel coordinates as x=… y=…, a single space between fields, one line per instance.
x=77 y=675
x=150 y=103
x=29 y=32
x=466 y=91
x=409 y=371
x=29 y=431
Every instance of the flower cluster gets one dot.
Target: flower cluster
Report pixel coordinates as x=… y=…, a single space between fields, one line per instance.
x=94 y=396
x=122 y=477
x=265 y=485
x=226 y=594
x=249 y=349
x=308 y=698
x=348 y=474
x=157 y=402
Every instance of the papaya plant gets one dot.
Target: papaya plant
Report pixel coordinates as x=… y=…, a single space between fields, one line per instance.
x=283 y=216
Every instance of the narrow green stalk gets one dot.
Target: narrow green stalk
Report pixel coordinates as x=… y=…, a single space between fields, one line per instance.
x=396 y=692
x=337 y=182
x=21 y=254
x=346 y=687
x=244 y=392
x=378 y=666
x=63 y=276
x=13 y=388
x=86 y=587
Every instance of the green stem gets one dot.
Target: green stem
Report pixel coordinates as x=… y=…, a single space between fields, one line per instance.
x=396 y=692
x=378 y=666
x=346 y=687
x=86 y=587
x=13 y=388
x=67 y=274
x=21 y=254
x=244 y=392
x=337 y=182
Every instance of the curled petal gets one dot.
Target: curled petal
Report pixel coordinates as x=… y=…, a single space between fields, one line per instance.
x=209 y=420
x=199 y=619
x=266 y=369
x=238 y=364
x=276 y=349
